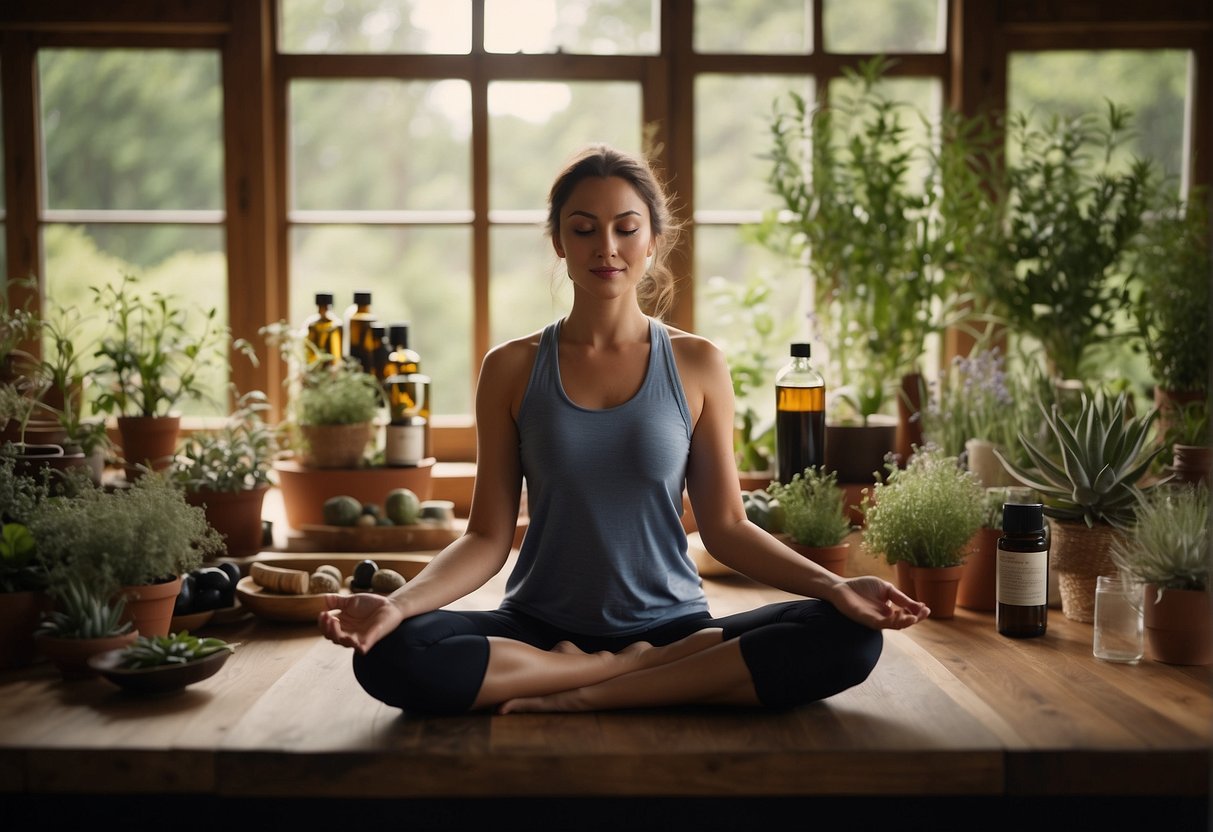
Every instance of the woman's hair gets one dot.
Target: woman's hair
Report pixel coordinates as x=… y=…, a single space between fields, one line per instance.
x=656 y=289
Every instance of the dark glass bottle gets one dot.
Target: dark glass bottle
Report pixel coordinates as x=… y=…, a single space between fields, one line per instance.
x=409 y=417
x=379 y=350
x=358 y=331
x=401 y=359
x=1022 y=575
x=323 y=329
x=800 y=416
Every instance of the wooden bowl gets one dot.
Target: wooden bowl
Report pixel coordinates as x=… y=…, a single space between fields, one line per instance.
x=275 y=606
x=160 y=679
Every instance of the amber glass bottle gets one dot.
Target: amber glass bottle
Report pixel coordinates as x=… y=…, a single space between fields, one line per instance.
x=800 y=416
x=324 y=330
x=358 y=332
x=379 y=350
x=1022 y=575
x=401 y=359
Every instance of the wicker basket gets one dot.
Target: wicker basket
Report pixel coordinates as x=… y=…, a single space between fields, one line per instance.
x=1079 y=554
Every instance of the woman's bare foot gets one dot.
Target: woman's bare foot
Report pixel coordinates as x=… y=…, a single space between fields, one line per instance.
x=565 y=701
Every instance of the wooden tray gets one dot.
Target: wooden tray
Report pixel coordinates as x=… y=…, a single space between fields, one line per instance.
x=424 y=536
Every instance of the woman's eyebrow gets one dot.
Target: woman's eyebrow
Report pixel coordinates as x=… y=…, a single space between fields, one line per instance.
x=588 y=215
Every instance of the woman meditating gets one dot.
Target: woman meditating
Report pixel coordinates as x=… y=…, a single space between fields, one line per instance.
x=608 y=414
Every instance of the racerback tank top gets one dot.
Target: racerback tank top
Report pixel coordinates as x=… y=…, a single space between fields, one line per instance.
x=605 y=552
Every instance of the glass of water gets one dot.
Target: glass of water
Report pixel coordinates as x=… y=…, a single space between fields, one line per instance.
x=1118 y=620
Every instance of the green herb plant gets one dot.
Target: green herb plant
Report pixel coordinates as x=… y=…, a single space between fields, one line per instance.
x=923 y=514
x=813 y=508
x=152 y=354
x=239 y=456
x=1168 y=544
x=175 y=648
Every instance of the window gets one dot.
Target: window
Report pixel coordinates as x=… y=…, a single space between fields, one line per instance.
x=132 y=170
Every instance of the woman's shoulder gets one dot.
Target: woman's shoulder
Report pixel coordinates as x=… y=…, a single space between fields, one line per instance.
x=514 y=352
x=694 y=350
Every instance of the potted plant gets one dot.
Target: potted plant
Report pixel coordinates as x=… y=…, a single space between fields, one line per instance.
x=878 y=251
x=1072 y=219
x=1090 y=476
x=923 y=517
x=1172 y=267
x=978 y=581
x=814 y=518
x=136 y=541
x=152 y=356
x=1168 y=550
x=227 y=471
x=23 y=578
x=1188 y=438
x=85 y=622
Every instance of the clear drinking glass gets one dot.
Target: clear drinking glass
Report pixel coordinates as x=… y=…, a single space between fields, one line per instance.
x=1118 y=620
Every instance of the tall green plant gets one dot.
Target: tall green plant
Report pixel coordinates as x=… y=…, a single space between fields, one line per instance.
x=1072 y=219
x=876 y=242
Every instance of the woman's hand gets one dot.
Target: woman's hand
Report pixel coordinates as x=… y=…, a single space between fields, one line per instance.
x=358 y=620
x=876 y=603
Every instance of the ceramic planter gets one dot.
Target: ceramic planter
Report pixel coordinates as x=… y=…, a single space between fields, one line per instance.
x=937 y=587
x=903 y=579
x=147 y=441
x=978 y=582
x=857 y=452
x=19 y=616
x=71 y=655
x=234 y=514
x=833 y=558
x=149 y=607
x=304 y=490
x=1178 y=627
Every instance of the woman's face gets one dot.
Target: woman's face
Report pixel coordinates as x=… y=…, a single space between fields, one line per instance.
x=605 y=236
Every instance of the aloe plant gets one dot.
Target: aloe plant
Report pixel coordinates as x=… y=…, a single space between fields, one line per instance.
x=1094 y=471
x=81 y=612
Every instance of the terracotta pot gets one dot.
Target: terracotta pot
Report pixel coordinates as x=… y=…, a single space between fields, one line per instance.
x=149 y=441
x=978 y=582
x=755 y=480
x=149 y=607
x=937 y=587
x=833 y=558
x=903 y=579
x=71 y=655
x=335 y=446
x=1169 y=403
x=857 y=452
x=1079 y=554
x=909 y=405
x=1179 y=626
x=304 y=490
x=19 y=616
x=1192 y=463
x=45 y=432
x=234 y=514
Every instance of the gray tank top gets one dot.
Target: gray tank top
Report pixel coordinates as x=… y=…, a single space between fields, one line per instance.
x=605 y=552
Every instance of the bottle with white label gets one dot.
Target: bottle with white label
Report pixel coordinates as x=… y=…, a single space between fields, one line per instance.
x=1022 y=575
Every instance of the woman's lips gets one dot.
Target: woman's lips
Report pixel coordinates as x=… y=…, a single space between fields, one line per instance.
x=606 y=271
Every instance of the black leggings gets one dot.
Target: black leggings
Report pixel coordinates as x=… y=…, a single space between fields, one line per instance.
x=796 y=652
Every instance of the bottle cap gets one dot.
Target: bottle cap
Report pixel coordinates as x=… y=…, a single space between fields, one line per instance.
x=324 y=298
x=379 y=329
x=362 y=297
x=398 y=334
x=800 y=350
x=1022 y=517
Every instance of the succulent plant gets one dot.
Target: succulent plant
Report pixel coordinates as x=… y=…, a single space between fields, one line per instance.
x=1169 y=543
x=83 y=613
x=1095 y=472
x=176 y=648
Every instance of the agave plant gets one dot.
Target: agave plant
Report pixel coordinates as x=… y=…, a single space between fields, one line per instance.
x=1095 y=473
x=83 y=613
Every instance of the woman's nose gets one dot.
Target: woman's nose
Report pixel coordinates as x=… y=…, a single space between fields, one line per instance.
x=606 y=245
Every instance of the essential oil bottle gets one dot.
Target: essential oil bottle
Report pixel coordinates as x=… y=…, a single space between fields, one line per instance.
x=800 y=416
x=1022 y=574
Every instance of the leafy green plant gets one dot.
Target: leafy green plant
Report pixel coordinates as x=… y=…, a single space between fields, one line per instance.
x=175 y=648
x=83 y=611
x=322 y=391
x=1092 y=469
x=923 y=514
x=238 y=456
x=883 y=256
x=123 y=537
x=1189 y=425
x=1172 y=268
x=813 y=507
x=20 y=570
x=1168 y=543
x=152 y=353
x=1072 y=220
x=65 y=373
x=18 y=324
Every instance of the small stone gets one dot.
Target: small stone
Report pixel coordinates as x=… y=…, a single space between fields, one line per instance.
x=386 y=580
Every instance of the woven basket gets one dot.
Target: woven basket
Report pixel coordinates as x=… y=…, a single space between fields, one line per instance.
x=1079 y=554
